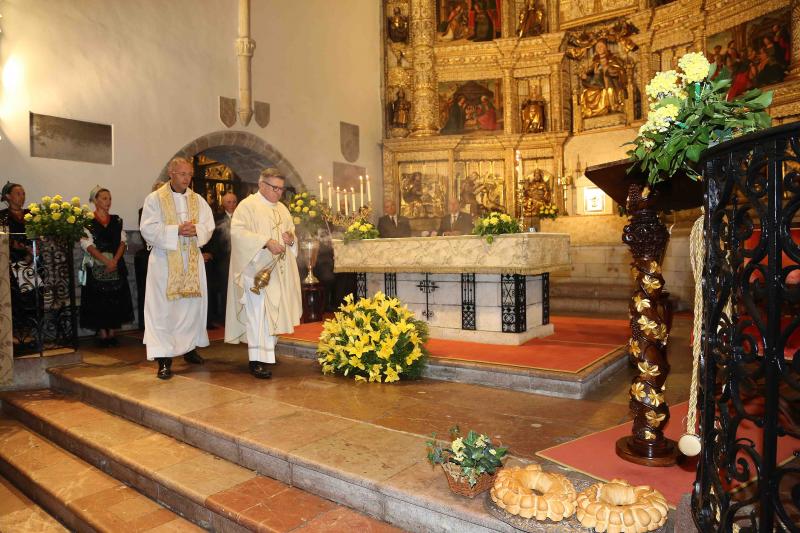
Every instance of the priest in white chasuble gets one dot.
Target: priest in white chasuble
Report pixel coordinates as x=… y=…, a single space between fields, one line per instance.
x=175 y=222
x=260 y=308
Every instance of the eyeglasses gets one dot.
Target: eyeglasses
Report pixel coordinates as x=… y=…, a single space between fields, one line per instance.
x=274 y=187
x=181 y=174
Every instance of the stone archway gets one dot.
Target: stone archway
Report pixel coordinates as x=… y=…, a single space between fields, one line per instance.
x=244 y=152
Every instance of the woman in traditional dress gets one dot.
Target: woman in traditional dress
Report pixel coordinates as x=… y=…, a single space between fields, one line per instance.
x=106 y=297
x=20 y=260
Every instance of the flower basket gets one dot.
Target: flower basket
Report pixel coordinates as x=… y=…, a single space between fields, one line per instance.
x=460 y=484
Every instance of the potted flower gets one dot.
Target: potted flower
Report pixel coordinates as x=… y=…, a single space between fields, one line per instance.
x=547 y=211
x=306 y=215
x=57 y=219
x=360 y=230
x=470 y=463
x=375 y=339
x=495 y=223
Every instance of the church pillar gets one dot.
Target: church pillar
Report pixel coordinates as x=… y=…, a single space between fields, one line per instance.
x=795 y=30
x=424 y=115
x=510 y=110
x=555 y=120
x=244 y=50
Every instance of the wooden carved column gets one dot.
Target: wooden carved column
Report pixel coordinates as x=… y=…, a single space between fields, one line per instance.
x=795 y=30
x=647 y=238
x=424 y=107
x=554 y=121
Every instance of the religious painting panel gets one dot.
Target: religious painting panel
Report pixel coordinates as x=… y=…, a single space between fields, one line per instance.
x=468 y=20
x=573 y=12
x=753 y=54
x=480 y=186
x=423 y=188
x=471 y=107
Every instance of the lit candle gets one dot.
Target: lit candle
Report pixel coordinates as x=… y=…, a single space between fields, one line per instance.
x=338 y=201
x=369 y=191
x=346 y=205
x=353 y=198
x=361 y=188
x=321 y=195
x=330 y=196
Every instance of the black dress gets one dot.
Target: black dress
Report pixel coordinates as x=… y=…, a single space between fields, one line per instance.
x=106 y=298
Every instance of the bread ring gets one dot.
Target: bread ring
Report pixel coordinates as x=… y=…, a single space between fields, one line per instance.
x=619 y=507
x=531 y=493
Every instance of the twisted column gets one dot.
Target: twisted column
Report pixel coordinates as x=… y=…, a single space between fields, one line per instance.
x=424 y=107
x=647 y=238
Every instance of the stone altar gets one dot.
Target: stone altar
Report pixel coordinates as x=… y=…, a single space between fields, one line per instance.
x=465 y=288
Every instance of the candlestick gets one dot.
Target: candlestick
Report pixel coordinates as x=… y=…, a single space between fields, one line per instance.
x=353 y=198
x=369 y=191
x=330 y=196
x=338 y=201
x=321 y=195
x=346 y=205
x=361 y=189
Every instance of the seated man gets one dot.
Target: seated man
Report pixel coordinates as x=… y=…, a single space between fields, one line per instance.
x=456 y=222
x=390 y=225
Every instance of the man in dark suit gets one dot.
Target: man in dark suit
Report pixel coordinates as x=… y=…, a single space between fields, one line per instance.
x=456 y=222
x=217 y=254
x=390 y=225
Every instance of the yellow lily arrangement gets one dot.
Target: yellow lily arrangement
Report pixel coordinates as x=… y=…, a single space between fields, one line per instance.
x=375 y=339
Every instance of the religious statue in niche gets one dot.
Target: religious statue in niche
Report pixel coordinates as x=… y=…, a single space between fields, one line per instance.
x=535 y=192
x=473 y=20
x=604 y=80
x=398 y=27
x=533 y=115
x=531 y=20
x=474 y=106
x=400 y=110
x=754 y=53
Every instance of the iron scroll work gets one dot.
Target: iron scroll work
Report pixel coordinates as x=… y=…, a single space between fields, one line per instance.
x=750 y=365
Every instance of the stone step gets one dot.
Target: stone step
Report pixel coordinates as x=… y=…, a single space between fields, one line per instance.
x=81 y=496
x=376 y=470
x=20 y=514
x=211 y=492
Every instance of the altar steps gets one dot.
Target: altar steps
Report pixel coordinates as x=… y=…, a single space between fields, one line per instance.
x=375 y=470
x=211 y=492
x=78 y=494
x=589 y=298
x=20 y=514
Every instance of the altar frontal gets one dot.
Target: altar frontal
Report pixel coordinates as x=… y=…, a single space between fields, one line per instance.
x=464 y=287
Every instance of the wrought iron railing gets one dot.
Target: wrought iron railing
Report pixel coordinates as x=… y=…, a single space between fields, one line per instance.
x=43 y=307
x=750 y=366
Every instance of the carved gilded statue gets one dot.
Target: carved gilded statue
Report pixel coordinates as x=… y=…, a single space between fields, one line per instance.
x=604 y=83
x=531 y=20
x=398 y=27
x=532 y=111
x=400 y=110
x=535 y=192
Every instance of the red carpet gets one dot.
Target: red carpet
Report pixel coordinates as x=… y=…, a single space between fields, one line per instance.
x=577 y=343
x=595 y=455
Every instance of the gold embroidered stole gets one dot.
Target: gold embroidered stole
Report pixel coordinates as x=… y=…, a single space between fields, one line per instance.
x=182 y=282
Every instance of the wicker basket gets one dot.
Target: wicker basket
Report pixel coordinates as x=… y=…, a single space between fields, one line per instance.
x=460 y=484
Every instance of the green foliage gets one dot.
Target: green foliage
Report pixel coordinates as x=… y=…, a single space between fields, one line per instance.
x=306 y=213
x=54 y=217
x=671 y=141
x=475 y=454
x=360 y=230
x=495 y=223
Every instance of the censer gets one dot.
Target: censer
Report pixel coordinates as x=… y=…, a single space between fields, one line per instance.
x=262 y=277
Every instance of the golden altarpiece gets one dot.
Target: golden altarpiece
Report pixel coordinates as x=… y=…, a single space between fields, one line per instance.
x=482 y=96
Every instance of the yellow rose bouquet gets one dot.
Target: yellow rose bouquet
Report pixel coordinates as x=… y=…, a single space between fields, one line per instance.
x=374 y=339
x=54 y=217
x=306 y=213
x=547 y=211
x=360 y=230
x=495 y=223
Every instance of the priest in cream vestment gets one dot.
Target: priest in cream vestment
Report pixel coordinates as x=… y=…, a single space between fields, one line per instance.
x=176 y=222
x=262 y=236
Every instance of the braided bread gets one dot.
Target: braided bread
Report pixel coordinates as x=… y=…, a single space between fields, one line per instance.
x=531 y=493
x=619 y=507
